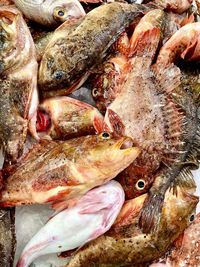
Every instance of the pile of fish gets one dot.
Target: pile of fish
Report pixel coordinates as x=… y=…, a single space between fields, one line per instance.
x=117 y=173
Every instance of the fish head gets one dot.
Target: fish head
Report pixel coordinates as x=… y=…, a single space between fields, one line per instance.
x=135 y=180
x=63 y=10
x=178 y=211
x=109 y=154
x=65 y=117
x=9 y=27
x=105 y=85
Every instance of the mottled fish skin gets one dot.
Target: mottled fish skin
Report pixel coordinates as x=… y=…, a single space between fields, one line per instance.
x=138 y=106
x=63 y=118
x=86 y=46
x=56 y=171
x=50 y=13
x=7 y=237
x=126 y=245
x=185 y=126
x=176 y=6
x=18 y=78
x=187 y=251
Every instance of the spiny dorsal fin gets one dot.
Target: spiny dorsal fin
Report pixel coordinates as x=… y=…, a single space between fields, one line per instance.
x=168 y=78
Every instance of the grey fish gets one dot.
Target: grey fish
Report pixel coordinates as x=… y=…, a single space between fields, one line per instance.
x=7 y=237
x=77 y=46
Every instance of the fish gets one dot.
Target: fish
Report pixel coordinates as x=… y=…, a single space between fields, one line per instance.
x=181 y=43
x=187 y=247
x=50 y=13
x=84 y=43
x=54 y=172
x=7 y=237
x=175 y=6
x=184 y=44
x=198 y=5
x=63 y=118
x=140 y=121
x=126 y=245
x=18 y=78
x=104 y=83
x=91 y=217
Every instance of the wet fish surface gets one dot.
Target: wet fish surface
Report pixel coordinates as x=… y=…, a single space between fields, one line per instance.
x=80 y=45
x=18 y=78
x=57 y=171
x=126 y=245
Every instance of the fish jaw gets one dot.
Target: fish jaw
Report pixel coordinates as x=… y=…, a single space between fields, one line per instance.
x=92 y=216
x=64 y=117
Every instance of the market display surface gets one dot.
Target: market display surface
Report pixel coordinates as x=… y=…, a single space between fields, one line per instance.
x=100 y=133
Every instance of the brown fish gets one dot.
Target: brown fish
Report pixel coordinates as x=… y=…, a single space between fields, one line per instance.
x=56 y=171
x=77 y=47
x=125 y=244
x=176 y=6
x=18 y=78
x=7 y=238
x=187 y=251
x=62 y=118
x=143 y=121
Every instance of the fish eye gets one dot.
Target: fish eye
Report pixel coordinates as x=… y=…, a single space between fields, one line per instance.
x=58 y=74
x=59 y=13
x=95 y=92
x=140 y=185
x=192 y=217
x=105 y=135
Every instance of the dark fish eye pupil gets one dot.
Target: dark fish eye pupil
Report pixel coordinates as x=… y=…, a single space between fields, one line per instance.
x=105 y=135
x=61 y=13
x=58 y=75
x=192 y=218
x=141 y=184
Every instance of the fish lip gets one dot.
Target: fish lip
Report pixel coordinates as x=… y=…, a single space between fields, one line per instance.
x=126 y=143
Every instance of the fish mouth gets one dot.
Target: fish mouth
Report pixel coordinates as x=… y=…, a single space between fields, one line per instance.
x=126 y=143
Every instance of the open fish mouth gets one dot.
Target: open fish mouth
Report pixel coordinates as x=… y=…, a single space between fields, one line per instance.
x=126 y=143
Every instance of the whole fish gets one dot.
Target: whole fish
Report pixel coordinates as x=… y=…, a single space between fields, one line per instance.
x=187 y=250
x=57 y=171
x=91 y=217
x=142 y=121
x=186 y=137
x=7 y=238
x=64 y=117
x=18 y=78
x=125 y=244
x=78 y=46
x=50 y=12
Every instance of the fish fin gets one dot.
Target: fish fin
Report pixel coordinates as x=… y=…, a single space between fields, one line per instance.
x=184 y=180
x=151 y=212
x=98 y=124
x=188 y=53
x=118 y=127
x=145 y=44
x=63 y=204
x=187 y=20
x=168 y=78
x=122 y=44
